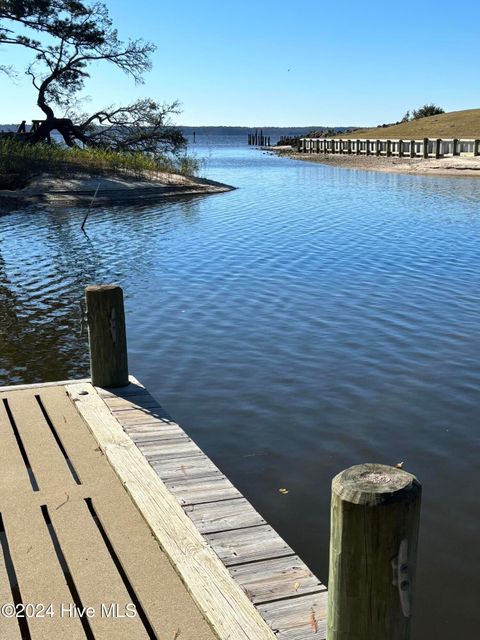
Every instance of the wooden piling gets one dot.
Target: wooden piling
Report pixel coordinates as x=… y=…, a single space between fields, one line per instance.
x=425 y=148
x=373 y=545
x=437 y=148
x=107 y=336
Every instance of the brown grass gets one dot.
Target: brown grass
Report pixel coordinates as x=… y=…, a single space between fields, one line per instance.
x=456 y=124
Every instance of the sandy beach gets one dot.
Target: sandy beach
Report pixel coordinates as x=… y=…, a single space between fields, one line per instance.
x=81 y=190
x=457 y=166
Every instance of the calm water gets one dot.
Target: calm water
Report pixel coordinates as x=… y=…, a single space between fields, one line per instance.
x=313 y=319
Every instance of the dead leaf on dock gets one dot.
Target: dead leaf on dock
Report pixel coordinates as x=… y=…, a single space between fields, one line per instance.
x=176 y=634
x=313 y=622
x=283 y=490
x=296 y=586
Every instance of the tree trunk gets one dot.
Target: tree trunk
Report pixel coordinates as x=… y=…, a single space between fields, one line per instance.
x=65 y=128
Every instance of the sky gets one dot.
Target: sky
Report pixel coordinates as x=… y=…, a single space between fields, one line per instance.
x=276 y=63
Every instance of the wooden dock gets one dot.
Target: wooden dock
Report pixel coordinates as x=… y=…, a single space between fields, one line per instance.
x=245 y=580
x=72 y=540
x=115 y=525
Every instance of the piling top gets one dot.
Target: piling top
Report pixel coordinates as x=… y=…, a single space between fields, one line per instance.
x=102 y=287
x=372 y=484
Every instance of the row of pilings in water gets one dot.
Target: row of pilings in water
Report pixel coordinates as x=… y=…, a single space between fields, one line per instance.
x=258 y=139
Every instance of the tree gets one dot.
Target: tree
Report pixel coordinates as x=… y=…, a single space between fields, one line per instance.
x=426 y=111
x=65 y=37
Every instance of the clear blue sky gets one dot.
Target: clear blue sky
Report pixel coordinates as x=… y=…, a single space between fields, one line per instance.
x=296 y=63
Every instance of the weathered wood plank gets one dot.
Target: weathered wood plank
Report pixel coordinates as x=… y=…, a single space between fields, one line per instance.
x=301 y=618
x=144 y=436
x=223 y=602
x=140 y=416
x=165 y=450
x=225 y=515
x=276 y=579
x=196 y=466
x=248 y=545
x=139 y=401
x=197 y=490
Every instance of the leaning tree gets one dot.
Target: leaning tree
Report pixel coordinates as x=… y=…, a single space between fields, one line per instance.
x=66 y=37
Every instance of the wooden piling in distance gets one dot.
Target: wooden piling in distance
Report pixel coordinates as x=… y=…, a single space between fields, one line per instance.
x=425 y=148
x=107 y=336
x=375 y=515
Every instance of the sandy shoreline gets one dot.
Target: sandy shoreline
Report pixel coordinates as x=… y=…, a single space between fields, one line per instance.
x=86 y=190
x=457 y=166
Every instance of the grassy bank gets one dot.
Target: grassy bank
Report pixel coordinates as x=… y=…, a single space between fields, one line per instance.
x=456 y=124
x=19 y=163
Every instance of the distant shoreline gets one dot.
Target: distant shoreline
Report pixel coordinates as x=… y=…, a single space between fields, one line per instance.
x=457 y=166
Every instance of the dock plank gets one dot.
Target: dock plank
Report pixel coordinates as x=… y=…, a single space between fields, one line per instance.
x=198 y=490
x=160 y=451
x=298 y=618
x=213 y=517
x=196 y=466
x=248 y=545
x=276 y=579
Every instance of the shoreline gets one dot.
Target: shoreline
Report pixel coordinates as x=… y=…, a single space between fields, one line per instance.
x=98 y=190
x=457 y=166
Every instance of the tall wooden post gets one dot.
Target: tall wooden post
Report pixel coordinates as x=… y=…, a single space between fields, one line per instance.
x=455 y=147
x=437 y=148
x=476 y=145
x=425 y=148
x=107 y=336
x=389 y=148
x=412 y=149
x=373 y=546
x=400 y=148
